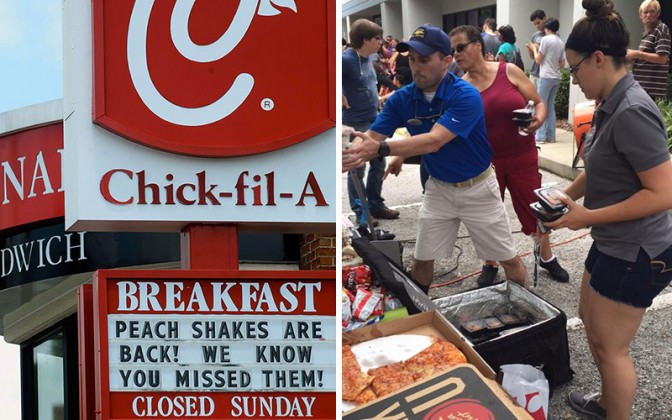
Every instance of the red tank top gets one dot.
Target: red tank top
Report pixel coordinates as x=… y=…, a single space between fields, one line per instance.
x=499 y=101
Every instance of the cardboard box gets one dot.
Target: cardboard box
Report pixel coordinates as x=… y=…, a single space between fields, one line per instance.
x=427 y=323
x=458 y=393
x=467 y=387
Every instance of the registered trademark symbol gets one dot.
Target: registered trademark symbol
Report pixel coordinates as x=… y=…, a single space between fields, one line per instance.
x=267 y=104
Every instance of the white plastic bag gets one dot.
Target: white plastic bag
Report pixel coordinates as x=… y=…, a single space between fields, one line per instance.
x=529 y=387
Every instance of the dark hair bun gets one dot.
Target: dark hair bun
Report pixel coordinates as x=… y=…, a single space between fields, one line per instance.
x=598 y=9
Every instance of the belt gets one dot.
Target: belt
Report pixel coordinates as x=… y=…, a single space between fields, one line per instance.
x=471 y=181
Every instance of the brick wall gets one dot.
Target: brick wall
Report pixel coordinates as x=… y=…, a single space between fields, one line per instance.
x=318 y=252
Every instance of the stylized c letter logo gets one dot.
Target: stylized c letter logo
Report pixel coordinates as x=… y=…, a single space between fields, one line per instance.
x=137 y=58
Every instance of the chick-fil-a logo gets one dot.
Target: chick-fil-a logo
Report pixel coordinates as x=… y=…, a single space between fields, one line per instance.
x=214 y=78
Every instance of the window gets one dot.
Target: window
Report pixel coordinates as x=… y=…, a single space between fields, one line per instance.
x=474 y=17
x=49 y=374
x=48 y=359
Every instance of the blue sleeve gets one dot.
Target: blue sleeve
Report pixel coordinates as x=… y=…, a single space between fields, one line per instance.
x=390 y=118
x=465 y=110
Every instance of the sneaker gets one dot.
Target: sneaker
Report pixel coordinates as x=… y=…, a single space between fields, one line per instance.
x=540 y=141
x=487 y=276
x=557 y=273
x=587 y=404
x=550 y=140
x=386 y=213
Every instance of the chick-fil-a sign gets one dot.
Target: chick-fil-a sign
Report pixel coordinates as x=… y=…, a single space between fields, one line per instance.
x=217 y=345
x=214 y=78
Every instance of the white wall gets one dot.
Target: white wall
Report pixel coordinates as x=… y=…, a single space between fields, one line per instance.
x=419 y=12
x=629 y=10
x=390 y=14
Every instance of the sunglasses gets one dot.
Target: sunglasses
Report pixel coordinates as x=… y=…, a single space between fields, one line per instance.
x=460 y=47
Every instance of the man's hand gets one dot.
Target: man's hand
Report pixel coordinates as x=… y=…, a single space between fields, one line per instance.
x=363 y=149
x=394 y=166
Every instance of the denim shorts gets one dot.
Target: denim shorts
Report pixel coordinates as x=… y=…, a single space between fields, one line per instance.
x=633 y=283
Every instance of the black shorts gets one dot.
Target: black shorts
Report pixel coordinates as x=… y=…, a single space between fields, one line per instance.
x=633 y=283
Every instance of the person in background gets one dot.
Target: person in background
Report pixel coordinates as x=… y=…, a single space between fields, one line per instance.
x=507 y=49
x=490 y=39
x=538 y=17
x=392 y=44
x=360 y=108
x=550 y=55
x=401 y=79
x=505 y=88
x=627 y=194
x=384 y=56
x=399 y=60
x=444 y=115
x=651 y=60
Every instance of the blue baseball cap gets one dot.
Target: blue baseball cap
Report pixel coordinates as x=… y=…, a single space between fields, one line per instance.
x=426 y=40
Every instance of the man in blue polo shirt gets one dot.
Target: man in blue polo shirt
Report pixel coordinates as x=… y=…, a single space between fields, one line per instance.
x=444 y=116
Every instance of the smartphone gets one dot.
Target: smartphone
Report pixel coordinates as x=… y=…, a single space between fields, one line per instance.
x=546 y=215
x=549 y=197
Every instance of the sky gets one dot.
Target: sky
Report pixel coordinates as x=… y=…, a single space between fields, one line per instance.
x=31 y=72
x=31 y=64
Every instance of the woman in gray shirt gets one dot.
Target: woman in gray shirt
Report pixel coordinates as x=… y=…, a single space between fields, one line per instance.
x=627 y=191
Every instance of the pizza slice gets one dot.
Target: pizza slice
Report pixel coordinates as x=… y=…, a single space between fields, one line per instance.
x=390 y=378
x=366 y=396
x=436 y=358
x=354 y=381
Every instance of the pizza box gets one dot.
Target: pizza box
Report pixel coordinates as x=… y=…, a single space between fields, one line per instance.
x=464 y=387
x=430 y=323
x=460 y=392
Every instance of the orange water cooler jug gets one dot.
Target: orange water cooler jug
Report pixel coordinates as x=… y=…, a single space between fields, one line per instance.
x=583 y=117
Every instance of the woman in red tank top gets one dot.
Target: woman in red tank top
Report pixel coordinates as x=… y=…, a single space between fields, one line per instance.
x=505 y=88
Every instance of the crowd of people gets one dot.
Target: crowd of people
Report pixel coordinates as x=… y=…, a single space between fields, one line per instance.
x=473 y=152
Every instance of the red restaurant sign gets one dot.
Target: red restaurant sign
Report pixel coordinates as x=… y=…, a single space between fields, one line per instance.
x=30 y=176
x=227 y=344
x=214 y=78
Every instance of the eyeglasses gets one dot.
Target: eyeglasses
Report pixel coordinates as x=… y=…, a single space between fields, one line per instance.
x=460 y=47
x=377 y=38
x=417 y=121
x=573 y=70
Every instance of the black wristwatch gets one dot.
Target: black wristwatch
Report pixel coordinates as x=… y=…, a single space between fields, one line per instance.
x=384 y=149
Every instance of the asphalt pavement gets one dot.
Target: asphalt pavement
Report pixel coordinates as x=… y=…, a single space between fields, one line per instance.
x=651 y=348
